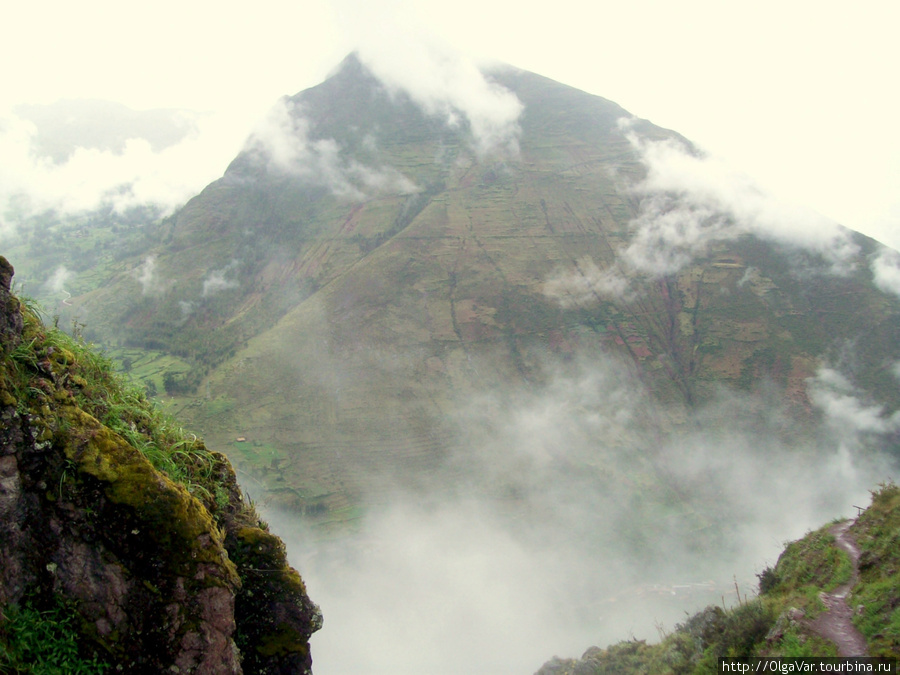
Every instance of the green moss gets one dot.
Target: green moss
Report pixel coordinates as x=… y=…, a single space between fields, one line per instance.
x=128 y=475
x=258 y=549
x=175 y=520
x=285 y=640
x=51 y=367
x=111 y=433
x=272 y=612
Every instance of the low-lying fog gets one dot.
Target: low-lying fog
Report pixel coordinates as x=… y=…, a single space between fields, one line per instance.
x=581 y=515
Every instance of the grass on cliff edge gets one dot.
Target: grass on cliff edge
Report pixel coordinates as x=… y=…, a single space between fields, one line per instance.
x=877 y=595
x=48 y=361
x=54 y=381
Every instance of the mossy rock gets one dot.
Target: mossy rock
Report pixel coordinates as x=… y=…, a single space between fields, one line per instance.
x=274 y=615
x=123 y=515
x=175 y=520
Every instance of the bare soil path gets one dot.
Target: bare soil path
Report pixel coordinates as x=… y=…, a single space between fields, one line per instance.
x=836 y=623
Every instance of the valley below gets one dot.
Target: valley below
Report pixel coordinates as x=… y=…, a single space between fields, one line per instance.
x=510 y=387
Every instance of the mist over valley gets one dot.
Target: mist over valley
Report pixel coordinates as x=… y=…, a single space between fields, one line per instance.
x=511 y=371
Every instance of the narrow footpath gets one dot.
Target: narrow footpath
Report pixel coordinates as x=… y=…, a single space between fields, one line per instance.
x=836 y=623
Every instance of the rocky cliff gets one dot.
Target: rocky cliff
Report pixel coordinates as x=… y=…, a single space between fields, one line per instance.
x=127 y=545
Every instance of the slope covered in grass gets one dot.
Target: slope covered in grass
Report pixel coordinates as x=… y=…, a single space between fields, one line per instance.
x=784 y=619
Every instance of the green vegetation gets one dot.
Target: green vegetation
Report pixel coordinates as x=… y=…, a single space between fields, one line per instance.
x=267 y=577
x=345 y=323
x=878 y=593
x=45 y=641
x=92 y=247
x=139 y=515
x=148 y=367
x=89 y=380
x=808 y=566
x=777 y=622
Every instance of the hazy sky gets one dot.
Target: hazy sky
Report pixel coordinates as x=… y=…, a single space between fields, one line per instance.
x=800 y=95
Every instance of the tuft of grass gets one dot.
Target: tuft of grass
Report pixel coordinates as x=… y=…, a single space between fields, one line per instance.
x=52 y=364
x=44 y=641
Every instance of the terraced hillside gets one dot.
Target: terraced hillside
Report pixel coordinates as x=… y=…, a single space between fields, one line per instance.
x=363 y=272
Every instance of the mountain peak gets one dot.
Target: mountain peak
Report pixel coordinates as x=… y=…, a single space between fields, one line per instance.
x=351 y=69
x=350 y=64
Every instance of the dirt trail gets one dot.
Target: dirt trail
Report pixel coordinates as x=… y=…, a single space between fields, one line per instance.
x=835 y=624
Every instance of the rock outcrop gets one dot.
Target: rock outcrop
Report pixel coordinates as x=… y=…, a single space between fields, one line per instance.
x=140 y=533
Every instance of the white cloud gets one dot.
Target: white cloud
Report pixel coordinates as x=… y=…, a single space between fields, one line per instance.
x=447 y=84
x=688 y=202
x=216 y=283
x=886 y=270
x=57 y=281
x=282 y=140
x=586 y=284
x=844 y=408
x=669 y=233
x=147 y=275
x=281 y=137
x=407 y=55
x=693 y=200
x=383 y=179
x=561 y=504
x=91 y=177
